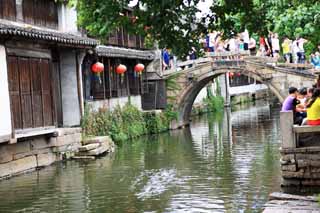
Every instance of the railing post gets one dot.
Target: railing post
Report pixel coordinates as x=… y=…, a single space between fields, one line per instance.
x=286 y=128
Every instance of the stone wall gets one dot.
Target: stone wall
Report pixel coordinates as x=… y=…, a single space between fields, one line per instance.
x=301 y=166
x=34 y=153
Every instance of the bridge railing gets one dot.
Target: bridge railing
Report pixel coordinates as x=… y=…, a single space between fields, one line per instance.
x=218 y=58
x=227 y=55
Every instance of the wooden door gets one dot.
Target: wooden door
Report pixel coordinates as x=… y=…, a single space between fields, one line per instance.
x=30 y=88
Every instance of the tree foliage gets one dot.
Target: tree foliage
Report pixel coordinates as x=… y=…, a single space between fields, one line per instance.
x=171 y=23
x=174 y=24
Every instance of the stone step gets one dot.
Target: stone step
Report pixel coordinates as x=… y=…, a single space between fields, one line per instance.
x=89 y=147
x=83 y=157
x=99 y=139
x=97 y=151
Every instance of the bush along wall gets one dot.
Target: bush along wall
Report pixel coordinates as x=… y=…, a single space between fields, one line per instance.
x=126 y=123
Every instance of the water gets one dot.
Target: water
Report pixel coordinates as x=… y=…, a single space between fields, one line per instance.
x=224 y=163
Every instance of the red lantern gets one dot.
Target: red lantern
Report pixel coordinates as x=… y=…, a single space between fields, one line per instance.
x=97 y=67
x=231 y=74
x=139 y=68
x=121 y=69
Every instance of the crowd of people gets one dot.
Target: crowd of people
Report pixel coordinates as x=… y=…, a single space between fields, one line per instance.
x=213 y=42
x=293 y=51
x=305 y=103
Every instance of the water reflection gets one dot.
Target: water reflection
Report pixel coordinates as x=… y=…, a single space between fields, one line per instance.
x=223 y=163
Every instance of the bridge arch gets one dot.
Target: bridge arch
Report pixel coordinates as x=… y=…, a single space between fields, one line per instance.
x=188 y=95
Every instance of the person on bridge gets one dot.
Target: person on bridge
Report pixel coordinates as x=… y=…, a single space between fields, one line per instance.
x=313 y=109
x=315 y=60
x=252 y=46
x=286 y=49
x=291 y=101
x=246 y=39
x=298 y=47
x=275 y=45
x=165 y=59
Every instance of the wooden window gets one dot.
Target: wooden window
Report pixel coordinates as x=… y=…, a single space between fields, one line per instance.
x=120 y=37
x=30 y=92
x=8 y=9
x=41 y=13
x=113 y=38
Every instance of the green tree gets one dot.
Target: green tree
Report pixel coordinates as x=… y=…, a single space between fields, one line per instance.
x=171 y=23
x=174 y=24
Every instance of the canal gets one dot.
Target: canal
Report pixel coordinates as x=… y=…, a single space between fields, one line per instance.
x=227 y=162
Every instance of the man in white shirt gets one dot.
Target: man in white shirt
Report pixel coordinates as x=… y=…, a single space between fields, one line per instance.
x=252 y=46
x=246 y=39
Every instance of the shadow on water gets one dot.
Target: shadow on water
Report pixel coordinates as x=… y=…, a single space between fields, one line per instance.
x=225 y=163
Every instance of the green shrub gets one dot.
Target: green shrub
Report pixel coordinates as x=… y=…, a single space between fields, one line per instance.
x=125 y=123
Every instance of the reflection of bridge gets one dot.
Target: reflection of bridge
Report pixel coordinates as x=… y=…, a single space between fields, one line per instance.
x=194 y=75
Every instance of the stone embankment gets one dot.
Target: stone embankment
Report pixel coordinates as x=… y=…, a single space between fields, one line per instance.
x=32 y=153
x=285 y=203
x=300 y=166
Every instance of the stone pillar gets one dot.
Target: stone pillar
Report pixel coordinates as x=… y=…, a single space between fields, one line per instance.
x=80 y=59
x=286 y=128
x=225 y=85
x=5 y=112
x=69 y=88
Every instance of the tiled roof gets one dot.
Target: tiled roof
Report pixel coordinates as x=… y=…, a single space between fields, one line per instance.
x=27 y=31
x=120 y=52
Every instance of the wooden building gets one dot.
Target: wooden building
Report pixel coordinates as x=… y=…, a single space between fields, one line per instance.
x=41 y=53
x=110 y=89
x=41 y=100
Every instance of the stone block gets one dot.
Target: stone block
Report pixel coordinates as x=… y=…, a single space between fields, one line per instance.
x=18 y=166
x=67 y=148
x=89 y=147
x=314 y=156
x=315 y=170
x=290 y=182
x=5 y=153
x=291 y=167
x=311 y=182
x=290 y=174
x=300 y=156
x=95 y=152
x=20 y=147
x=287 y=157
x=33 y=152
x=68 y=131
x=100 y=139
x=68 y=139
x=46 y=159
x=303 y=163
x=314 y=163
x=40 y=143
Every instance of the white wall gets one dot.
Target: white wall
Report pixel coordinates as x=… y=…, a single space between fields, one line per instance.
x=69 y=88
x=112 y=103
x=202 y=95
x=252 y=88
x=5 y=114
x=67 y=19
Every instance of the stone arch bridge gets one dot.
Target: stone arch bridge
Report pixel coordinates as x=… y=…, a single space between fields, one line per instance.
x=189 y=81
